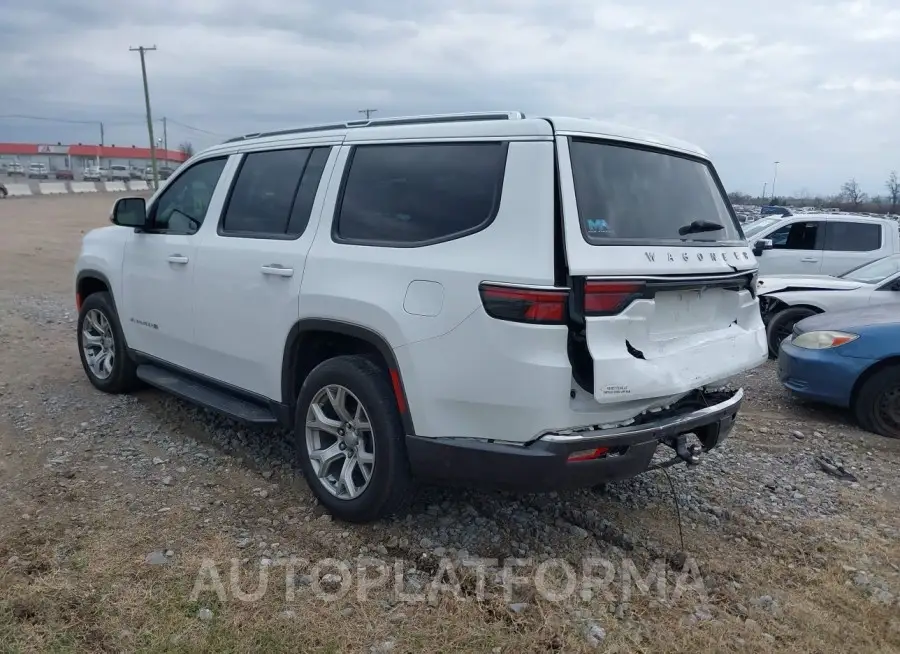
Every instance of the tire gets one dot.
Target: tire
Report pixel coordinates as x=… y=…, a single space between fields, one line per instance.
x=389 y=487
x=781 y=325
x=877 y=404
x=119 y=377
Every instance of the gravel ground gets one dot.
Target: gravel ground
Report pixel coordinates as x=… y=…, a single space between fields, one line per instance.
x=791 y=553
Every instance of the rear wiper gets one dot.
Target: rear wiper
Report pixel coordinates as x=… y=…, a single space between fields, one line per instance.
x=700 y=226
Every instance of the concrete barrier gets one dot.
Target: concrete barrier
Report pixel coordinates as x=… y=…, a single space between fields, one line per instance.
x=83 y=187
x=138 y=185
x=53 y=188
x=115 y=187
x=18 y=190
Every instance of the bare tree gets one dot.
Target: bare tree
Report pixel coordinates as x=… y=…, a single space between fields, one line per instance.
x=852 y=193
x=187 y=149
x=893 y=187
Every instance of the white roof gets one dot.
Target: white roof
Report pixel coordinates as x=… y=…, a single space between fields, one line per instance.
x=511 y=125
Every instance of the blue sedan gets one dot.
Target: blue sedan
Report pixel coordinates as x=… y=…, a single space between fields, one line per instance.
x=849 y=359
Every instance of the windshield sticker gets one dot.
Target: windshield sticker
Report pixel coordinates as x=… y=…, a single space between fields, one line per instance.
x=597 y=226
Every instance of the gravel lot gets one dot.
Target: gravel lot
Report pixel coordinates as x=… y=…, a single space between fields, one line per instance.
x=112 y=505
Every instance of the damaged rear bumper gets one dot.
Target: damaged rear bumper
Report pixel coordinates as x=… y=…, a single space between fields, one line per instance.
x=562 y=459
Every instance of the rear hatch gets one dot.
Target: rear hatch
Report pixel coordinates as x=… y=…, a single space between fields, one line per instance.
x=663 y=282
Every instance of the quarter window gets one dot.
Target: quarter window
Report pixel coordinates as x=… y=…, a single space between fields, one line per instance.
x=182 y=206
x=415 y=194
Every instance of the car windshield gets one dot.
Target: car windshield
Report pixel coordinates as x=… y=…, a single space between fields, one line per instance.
x=626 y=194
x=876 y=271
x=756 y=227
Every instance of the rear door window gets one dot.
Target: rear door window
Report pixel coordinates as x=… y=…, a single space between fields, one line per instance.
x=852 y=237
x=626 y=194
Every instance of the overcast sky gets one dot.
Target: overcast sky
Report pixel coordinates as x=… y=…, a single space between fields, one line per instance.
x=813 y=84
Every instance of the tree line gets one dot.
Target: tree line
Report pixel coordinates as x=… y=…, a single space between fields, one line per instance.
x=850 y=198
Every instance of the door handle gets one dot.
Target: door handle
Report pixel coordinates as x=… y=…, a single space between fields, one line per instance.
x=278 y=270
x=177 y=258
x=809 y=260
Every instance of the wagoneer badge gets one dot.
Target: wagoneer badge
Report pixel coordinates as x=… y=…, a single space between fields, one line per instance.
x=714 y=256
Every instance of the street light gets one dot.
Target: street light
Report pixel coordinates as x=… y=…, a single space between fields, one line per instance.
x=774 y=177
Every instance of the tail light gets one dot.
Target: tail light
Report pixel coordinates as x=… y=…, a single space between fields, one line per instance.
x=529 y=305
x=603 y=298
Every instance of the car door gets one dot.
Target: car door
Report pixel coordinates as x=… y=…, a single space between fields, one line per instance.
x=850 y=243
x=796 y=249
x=156 y=307
x=249 y=270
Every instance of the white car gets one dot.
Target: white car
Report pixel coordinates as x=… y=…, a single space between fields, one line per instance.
x=785 y=300
x=119 y=173
x=820 y=244
x=492 y=299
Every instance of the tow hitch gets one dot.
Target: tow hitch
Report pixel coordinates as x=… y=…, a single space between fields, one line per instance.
x=689 y=454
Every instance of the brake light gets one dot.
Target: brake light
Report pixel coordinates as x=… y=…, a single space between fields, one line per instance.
x=609 y=298
x=528 y=305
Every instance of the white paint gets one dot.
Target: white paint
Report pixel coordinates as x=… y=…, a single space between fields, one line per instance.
x=138 y=185
x=423 y=298
x=115 y=187
x=83 y=187
x=18 y=190
x=53 y=188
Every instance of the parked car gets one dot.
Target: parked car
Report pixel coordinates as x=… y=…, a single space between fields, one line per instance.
x=38 y=171
x=849 y=359
x=772 y=210
x=64 y=174
x=785 y=300
x=3 y=191
x=820 y=244
x=119 y=173
x=15 y=169
x=92 y=174
x=135 y=173
x=476 y=304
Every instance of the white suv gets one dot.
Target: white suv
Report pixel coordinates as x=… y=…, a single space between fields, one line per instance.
x=532 y=303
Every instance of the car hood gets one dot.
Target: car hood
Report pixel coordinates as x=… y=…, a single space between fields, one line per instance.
x=852 y=320
x=773 y=283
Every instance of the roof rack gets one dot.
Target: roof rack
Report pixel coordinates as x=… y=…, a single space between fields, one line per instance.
x=382 y=122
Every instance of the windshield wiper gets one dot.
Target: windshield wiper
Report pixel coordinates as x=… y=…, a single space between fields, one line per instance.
x=700 y=226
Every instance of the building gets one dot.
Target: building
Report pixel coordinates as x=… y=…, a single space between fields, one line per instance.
x=79 y=156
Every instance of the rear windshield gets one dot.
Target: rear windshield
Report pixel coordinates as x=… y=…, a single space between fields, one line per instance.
x=625 y=194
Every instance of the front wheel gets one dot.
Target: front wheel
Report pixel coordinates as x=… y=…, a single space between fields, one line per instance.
x=782 y=325
x=101 y=345
x=877 y=405
x=350 y=440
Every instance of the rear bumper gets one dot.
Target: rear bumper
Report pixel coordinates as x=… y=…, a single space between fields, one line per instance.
x=544 y=465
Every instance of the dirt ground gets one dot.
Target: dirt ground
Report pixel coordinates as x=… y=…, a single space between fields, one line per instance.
x=140 y=523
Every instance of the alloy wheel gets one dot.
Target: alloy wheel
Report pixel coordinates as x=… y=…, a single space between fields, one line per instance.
x=98 y=344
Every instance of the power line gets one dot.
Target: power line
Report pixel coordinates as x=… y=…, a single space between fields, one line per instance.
x=143 y=50
x=195 y=129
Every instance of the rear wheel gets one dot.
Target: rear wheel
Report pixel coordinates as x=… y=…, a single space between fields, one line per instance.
x=350 y=440
x=782 y=325
x=877 y=405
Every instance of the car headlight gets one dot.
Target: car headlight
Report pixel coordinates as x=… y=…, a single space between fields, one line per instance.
x=823 y=340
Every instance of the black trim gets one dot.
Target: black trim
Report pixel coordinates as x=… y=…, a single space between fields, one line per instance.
x=337 y=238
x=94 y=274
x=290 y=386
x=663 y=242
x=278 y=410
x=543 y=464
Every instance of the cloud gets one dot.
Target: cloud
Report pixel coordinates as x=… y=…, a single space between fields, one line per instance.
x=809 y=83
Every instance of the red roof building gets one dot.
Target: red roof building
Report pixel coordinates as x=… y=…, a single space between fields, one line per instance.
x=80 y=155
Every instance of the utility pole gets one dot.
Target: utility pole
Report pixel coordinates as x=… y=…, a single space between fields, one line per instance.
x=367 y=112
x=165 y=143
x=763 y=196
x=142 y=50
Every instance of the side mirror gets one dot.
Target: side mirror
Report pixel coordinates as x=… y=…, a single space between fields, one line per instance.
x=129 y=212
x=761 y=245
